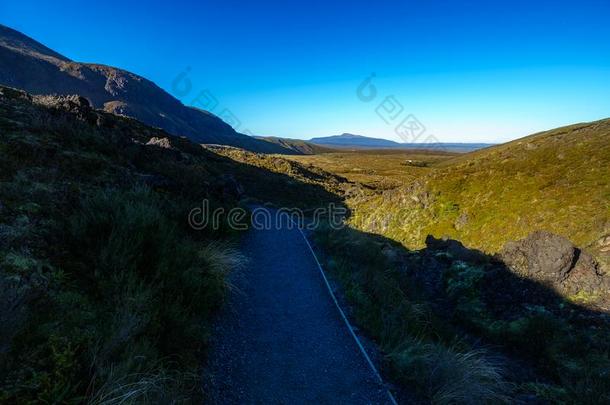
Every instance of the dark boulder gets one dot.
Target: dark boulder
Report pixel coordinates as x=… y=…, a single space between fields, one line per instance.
x=72 y=104
x=553 y=260
x=542 y=255
x=455 y=249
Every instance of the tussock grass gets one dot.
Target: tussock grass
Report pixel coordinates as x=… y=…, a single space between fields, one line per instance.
x=13 y=310
x=160 y=387
x=449 y=375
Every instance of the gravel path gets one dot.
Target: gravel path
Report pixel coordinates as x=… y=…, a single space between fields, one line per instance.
x=280 y=339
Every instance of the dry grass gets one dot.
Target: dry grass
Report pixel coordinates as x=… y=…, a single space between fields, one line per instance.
x=451 y=376
x=141 y=388
x=380 y=169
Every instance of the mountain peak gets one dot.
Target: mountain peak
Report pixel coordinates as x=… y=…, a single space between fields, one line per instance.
x=348 y=135
x=347 y=140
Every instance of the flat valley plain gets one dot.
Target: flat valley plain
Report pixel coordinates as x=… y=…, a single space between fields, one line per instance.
x=380 y=169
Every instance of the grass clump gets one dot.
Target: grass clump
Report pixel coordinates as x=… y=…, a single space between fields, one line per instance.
x=449 y=375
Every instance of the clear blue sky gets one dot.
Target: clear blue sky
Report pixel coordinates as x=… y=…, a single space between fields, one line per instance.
x=469 y=71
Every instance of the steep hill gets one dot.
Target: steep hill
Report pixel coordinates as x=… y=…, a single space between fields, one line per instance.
x=29 y=65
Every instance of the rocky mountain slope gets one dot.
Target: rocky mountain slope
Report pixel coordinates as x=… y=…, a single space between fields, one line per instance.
x=26 y=64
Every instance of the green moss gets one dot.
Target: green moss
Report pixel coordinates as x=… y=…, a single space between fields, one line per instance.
x=583 y=297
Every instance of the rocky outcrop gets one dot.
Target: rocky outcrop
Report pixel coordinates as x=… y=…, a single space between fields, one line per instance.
x=554 y=261
x=164 y=143
x=73 y=104
x=70 y=103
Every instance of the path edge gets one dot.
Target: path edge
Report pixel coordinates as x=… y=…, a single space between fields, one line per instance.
x=346 y=321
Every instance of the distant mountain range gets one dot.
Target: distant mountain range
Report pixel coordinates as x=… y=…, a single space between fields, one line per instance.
x=28 y=65
x=351 y=141
x=354 y=141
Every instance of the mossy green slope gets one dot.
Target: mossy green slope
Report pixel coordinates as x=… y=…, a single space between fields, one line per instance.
x=557 y=181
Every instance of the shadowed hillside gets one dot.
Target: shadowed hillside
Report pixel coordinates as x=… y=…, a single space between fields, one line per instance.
x=107 y=292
